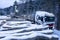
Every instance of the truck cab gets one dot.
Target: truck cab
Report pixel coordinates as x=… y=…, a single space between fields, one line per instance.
x=45 y=18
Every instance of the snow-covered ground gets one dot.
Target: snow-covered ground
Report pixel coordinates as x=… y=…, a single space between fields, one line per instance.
x=28 y=31
x=25 y=35
x=57 y=32
x=5 y=17
x=1 y=21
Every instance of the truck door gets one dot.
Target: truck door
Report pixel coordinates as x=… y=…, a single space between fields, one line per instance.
x=39 y=20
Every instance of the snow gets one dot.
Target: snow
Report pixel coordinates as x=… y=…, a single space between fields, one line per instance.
x=23 y=24
x=14 y=32
x=29 y=34
x=1 y=21
x=27 y=29
x=43 y=13
x=14 y=24
x=4 y=17
x=24 y=33
x=46 y=31
x=57 y=32
x=34 y=26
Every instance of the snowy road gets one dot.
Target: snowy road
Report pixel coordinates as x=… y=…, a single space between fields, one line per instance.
x=23 y=30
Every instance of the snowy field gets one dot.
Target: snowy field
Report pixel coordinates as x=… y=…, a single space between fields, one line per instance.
x=22 y=30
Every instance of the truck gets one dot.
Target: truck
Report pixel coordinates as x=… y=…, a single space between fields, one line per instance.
x=45 y=18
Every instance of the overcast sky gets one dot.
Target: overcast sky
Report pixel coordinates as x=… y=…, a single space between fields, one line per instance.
x=6 y=3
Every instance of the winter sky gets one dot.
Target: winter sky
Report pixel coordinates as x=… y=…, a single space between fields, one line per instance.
x=6 y=3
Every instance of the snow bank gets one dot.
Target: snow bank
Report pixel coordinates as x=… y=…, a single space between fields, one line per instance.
x=27 y=35
x=14 y=24
x=1 y=21
x=29 y=25
x=14 y=33
x=5 y=17
x=22 y=33
x=19 y=30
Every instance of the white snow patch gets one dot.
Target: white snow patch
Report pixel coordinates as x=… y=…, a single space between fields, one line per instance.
x=19 y=30
x=31 y=35
x=1 y=21
x=14 y=24
x=44 y=13
x=10 y=34
x=31 y=32
x=30 y=26
x=5 y=17
x=57 y=32
x=45 y=31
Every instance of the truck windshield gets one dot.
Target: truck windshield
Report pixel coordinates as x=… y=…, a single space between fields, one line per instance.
x=49 y=19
